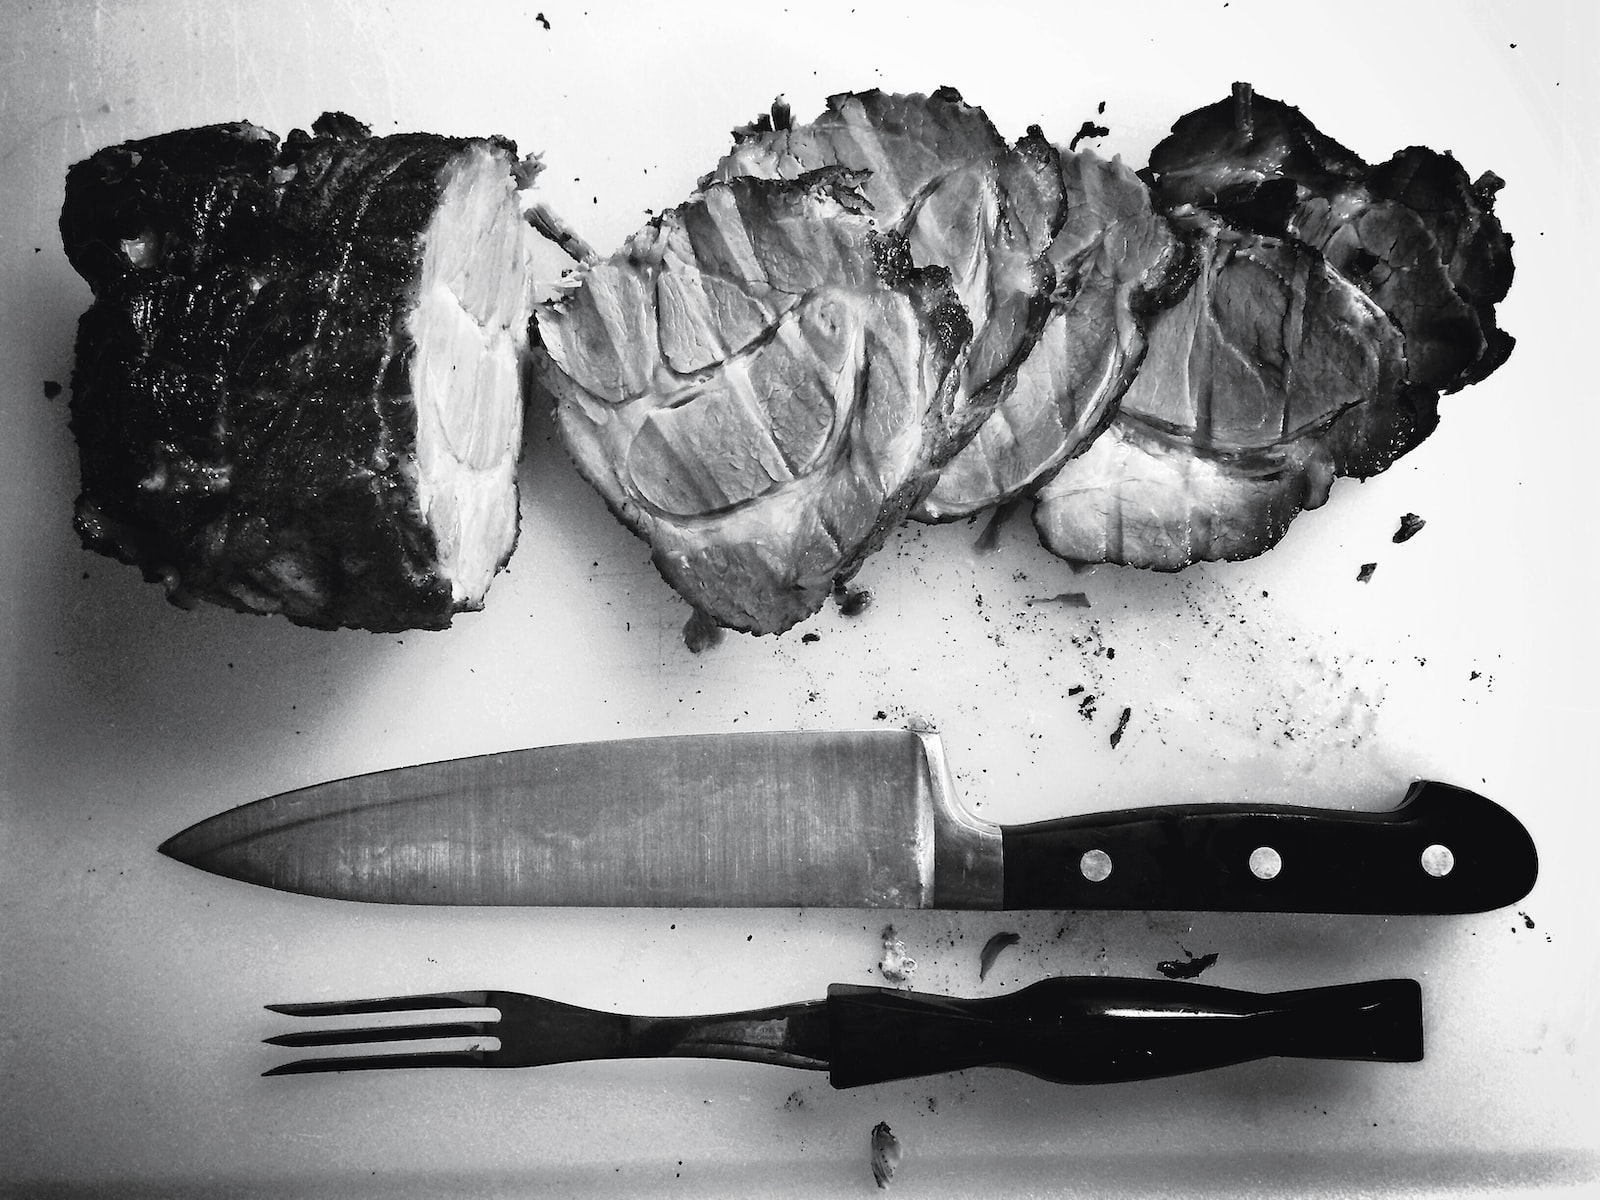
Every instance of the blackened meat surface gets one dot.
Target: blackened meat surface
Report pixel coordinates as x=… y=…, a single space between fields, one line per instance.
x=1414 y=232
x=761 y=384
x=252 y=430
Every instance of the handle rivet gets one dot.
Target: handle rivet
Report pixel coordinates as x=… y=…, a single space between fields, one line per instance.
x=1438 y=861
x=1095 y=865
x=1265 y=862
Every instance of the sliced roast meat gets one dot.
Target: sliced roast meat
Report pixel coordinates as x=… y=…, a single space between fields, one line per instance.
x=761 y=384
x=936 y=170
x=297 y=390
x=1335 y=303
x=1272 y=376
x=1414 y=232
x=1115 y=261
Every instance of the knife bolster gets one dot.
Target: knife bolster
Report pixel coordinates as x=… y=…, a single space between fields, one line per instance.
x=968 y=852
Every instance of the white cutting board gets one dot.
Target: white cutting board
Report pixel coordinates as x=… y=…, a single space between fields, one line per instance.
x=132 y=987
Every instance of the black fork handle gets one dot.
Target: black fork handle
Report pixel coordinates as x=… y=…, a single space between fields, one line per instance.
x=1105 y=1030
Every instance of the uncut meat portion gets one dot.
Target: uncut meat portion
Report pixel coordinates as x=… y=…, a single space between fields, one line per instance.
x=1115 y=261
x=1254 y=397
x=934 y=169
x=761 y=384
x=297 y=390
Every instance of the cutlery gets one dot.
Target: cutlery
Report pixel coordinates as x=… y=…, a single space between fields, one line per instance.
x=859 y=819
x=1088 y=1029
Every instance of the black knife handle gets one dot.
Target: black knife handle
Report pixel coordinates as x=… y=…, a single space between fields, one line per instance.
x=1107 y=1030
x=1443 y=850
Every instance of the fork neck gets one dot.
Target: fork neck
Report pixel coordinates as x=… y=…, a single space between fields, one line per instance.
x=786 y=1035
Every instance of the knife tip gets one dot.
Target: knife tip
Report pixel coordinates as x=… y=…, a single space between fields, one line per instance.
x=178 y=847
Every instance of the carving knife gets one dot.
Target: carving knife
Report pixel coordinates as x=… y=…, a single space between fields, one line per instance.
x=855 y=819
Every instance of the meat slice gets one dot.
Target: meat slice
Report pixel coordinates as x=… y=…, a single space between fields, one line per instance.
x=761 y=384
x=1424 y=242
x=936 y=170
x=1413 y=232
x=297 y=390
x=1335 y=303
x=1259 y=388
x=1115 y=261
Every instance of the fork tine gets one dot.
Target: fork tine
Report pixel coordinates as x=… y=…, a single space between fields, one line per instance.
x=341 y=1008
x=373 y=1062
x=380 y=1033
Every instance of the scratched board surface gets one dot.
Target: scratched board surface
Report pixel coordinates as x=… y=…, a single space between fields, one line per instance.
x=134 y=987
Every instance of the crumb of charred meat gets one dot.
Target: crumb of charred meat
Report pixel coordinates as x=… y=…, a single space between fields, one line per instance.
x=885 y=1154
x=1121 y=727
x=895 y=965
x=1188 y=967
x=1410 y=526
x=992 y=949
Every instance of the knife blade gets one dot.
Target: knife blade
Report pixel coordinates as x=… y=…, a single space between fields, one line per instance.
x=854 y=819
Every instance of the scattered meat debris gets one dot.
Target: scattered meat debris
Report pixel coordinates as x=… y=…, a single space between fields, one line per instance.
x=1086 y=707
x=701 y=632
x=1365 y=574
x=1087 y=130
x=542 y=19
x=1410 y=526
x=852 y=602
x=1122 y=723
x=885 y=1154
x=1065 y=599
x=992 y=948
x=809 y=638
x=1188 y=967
x=895 y=966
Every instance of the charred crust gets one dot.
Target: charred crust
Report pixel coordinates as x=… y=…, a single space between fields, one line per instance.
x=240 y=397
